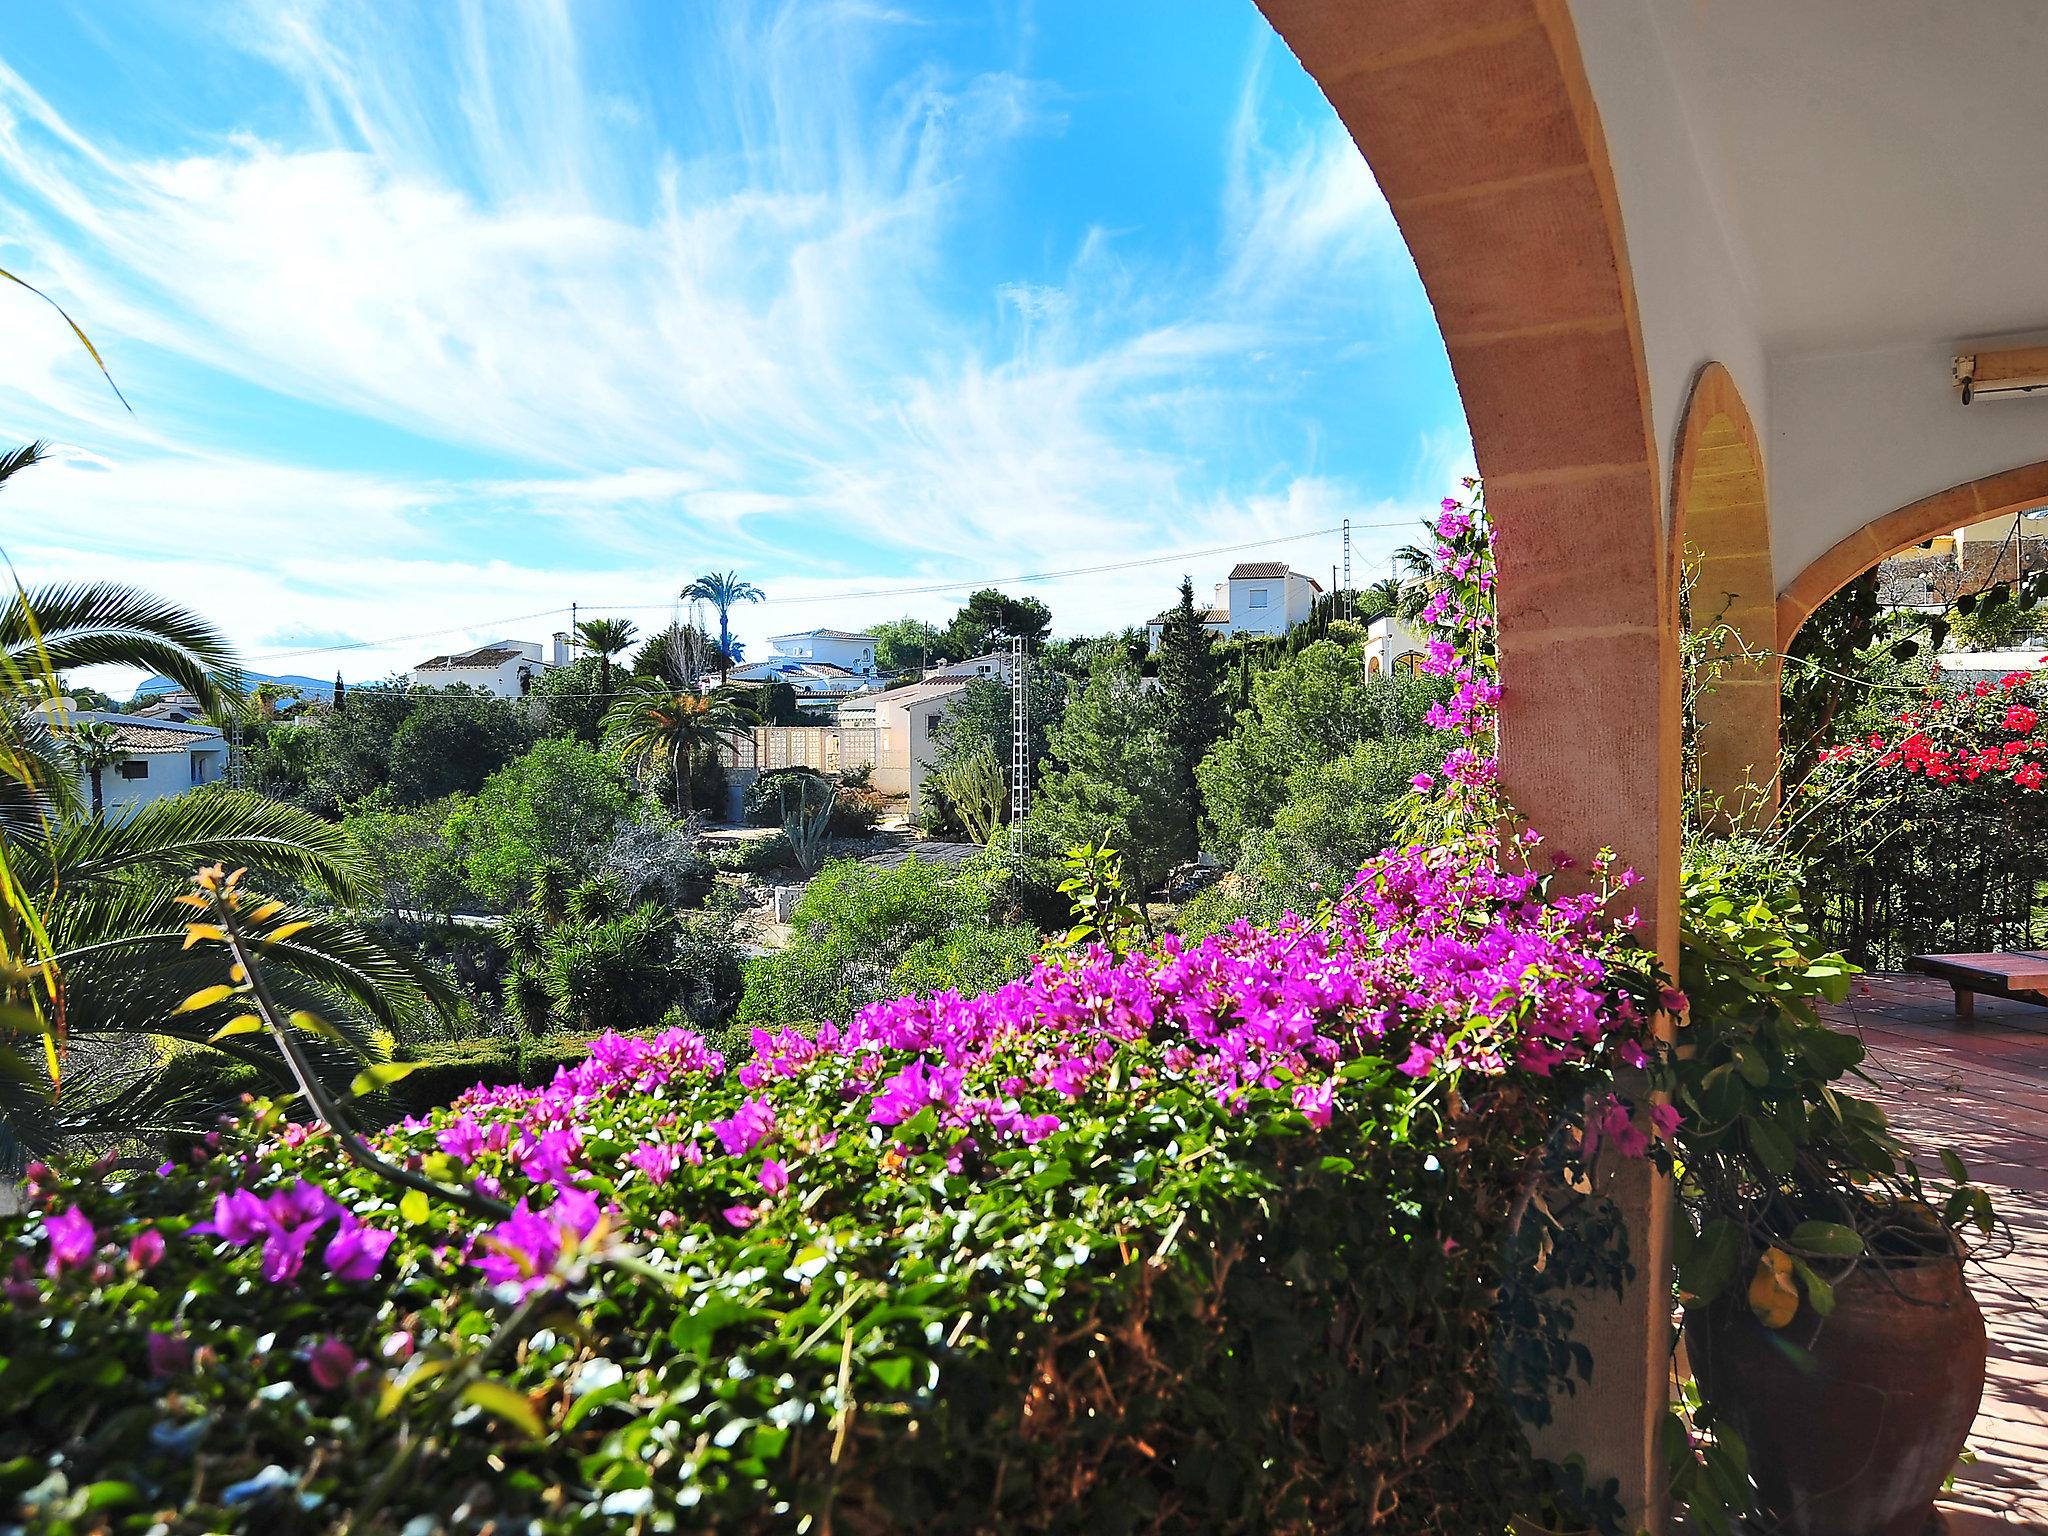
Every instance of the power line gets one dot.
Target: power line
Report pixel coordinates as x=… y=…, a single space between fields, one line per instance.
x=965 y=585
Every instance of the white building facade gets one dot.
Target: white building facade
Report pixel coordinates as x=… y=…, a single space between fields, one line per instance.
x=507 y=668
x=907 y=723
x=159 y=758
x=1260 y=598
x=1394 y=645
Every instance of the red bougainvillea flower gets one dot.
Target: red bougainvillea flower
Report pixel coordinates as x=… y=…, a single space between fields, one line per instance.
x=332 y=1362
x=147 y=1250
x=2020 y=720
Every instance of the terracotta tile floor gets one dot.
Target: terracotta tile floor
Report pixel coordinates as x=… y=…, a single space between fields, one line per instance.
x=1981 y=1088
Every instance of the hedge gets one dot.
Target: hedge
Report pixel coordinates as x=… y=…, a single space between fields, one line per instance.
x=1204 y=1239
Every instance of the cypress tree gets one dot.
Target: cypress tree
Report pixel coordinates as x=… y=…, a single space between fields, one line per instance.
x=1191 y=704
x=340 y=695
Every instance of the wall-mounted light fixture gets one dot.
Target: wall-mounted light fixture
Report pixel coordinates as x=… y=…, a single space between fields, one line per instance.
x=1987 y=375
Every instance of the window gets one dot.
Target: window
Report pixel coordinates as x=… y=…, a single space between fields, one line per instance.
x=135 y=768
x=1258 y=597
x=931 y=724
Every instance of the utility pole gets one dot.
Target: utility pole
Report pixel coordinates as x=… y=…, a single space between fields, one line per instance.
x=1020 y=743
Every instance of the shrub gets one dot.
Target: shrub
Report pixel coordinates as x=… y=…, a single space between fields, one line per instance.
x=862 y=934
x=855 y=806
x=559 y=801
x=755 y=856
x=764 y=799
x=654 y=860
x=1312 y=709
x=1184 y=1242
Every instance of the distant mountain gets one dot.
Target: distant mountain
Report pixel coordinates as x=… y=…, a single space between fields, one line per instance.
x=311 y=687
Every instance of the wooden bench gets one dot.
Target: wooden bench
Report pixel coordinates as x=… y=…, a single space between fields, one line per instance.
x=2020 y=975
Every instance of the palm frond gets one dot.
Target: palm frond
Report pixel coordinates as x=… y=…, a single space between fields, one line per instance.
x=15 y=459
x=173 y=836
x=121 y=951
x=87 y=624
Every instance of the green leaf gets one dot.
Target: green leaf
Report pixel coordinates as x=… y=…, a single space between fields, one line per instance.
x=1819 y=1294
x=381 y=1074
x=205 y=997
x=1771 y=1145
x=504 y=1404
x=247 y=1024
x=1828 y=1239
x=1955 y=1166
x=1710 y=1261
x=414 y=1206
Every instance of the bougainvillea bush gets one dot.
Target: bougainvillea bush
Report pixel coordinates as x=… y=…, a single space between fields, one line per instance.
x=1216 y=1237
x=1188 y=1239
x=1926 y=827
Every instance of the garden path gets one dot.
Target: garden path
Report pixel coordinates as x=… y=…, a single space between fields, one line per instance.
x=1982 y=1088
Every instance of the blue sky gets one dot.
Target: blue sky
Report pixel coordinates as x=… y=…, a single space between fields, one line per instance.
x=437 y=317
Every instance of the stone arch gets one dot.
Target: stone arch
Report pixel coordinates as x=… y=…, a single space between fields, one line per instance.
x=1721 y=531
x=1476 y=118
x=1974 y=501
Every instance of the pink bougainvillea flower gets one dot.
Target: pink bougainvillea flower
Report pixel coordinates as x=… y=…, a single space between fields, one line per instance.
x=1316 y=1101
x=774 y=1176
x=170 y=1354
x=72 y=1242
x=658 y=1160
x=20 y=1290
x=356 y=1252
x=745 y=1128
x=1664 y=1120
x=526 y=1250
x=741 y=1216
x=332 y=1363
x=147 y=1249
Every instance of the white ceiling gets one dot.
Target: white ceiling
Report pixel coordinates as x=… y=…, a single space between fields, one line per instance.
x=1880 y=166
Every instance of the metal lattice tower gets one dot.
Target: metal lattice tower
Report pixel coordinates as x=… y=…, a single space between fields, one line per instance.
x=1347 y=565
x=1020 y=742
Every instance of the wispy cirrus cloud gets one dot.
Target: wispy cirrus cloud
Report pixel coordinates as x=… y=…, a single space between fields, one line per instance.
x=727 y=301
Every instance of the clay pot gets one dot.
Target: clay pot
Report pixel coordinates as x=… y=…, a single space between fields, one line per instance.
x=1853 y=1420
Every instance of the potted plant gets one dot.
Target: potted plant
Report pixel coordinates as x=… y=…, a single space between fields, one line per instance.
x=1836 y=1349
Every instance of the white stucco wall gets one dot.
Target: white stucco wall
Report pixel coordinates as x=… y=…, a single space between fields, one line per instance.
x=1863 y=433
x=1694 y=304
x=1851 y=431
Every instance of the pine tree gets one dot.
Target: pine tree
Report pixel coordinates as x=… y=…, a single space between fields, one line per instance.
x=1191 y=703
x=1115 y=775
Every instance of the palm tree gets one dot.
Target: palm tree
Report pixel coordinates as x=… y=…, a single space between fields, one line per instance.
x=655 y=723
x=606 y=638
x=108 y=896
x=723 y=591
x=94 y=746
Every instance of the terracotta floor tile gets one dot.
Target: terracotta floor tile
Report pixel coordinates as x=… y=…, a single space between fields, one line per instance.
x=1982 y=1088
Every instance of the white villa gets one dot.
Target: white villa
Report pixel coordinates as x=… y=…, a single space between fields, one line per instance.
x=162 y=757
x=821 y=664
x=507 y=668
x=906 y=723
x=1261 y=597
x=995 y=666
